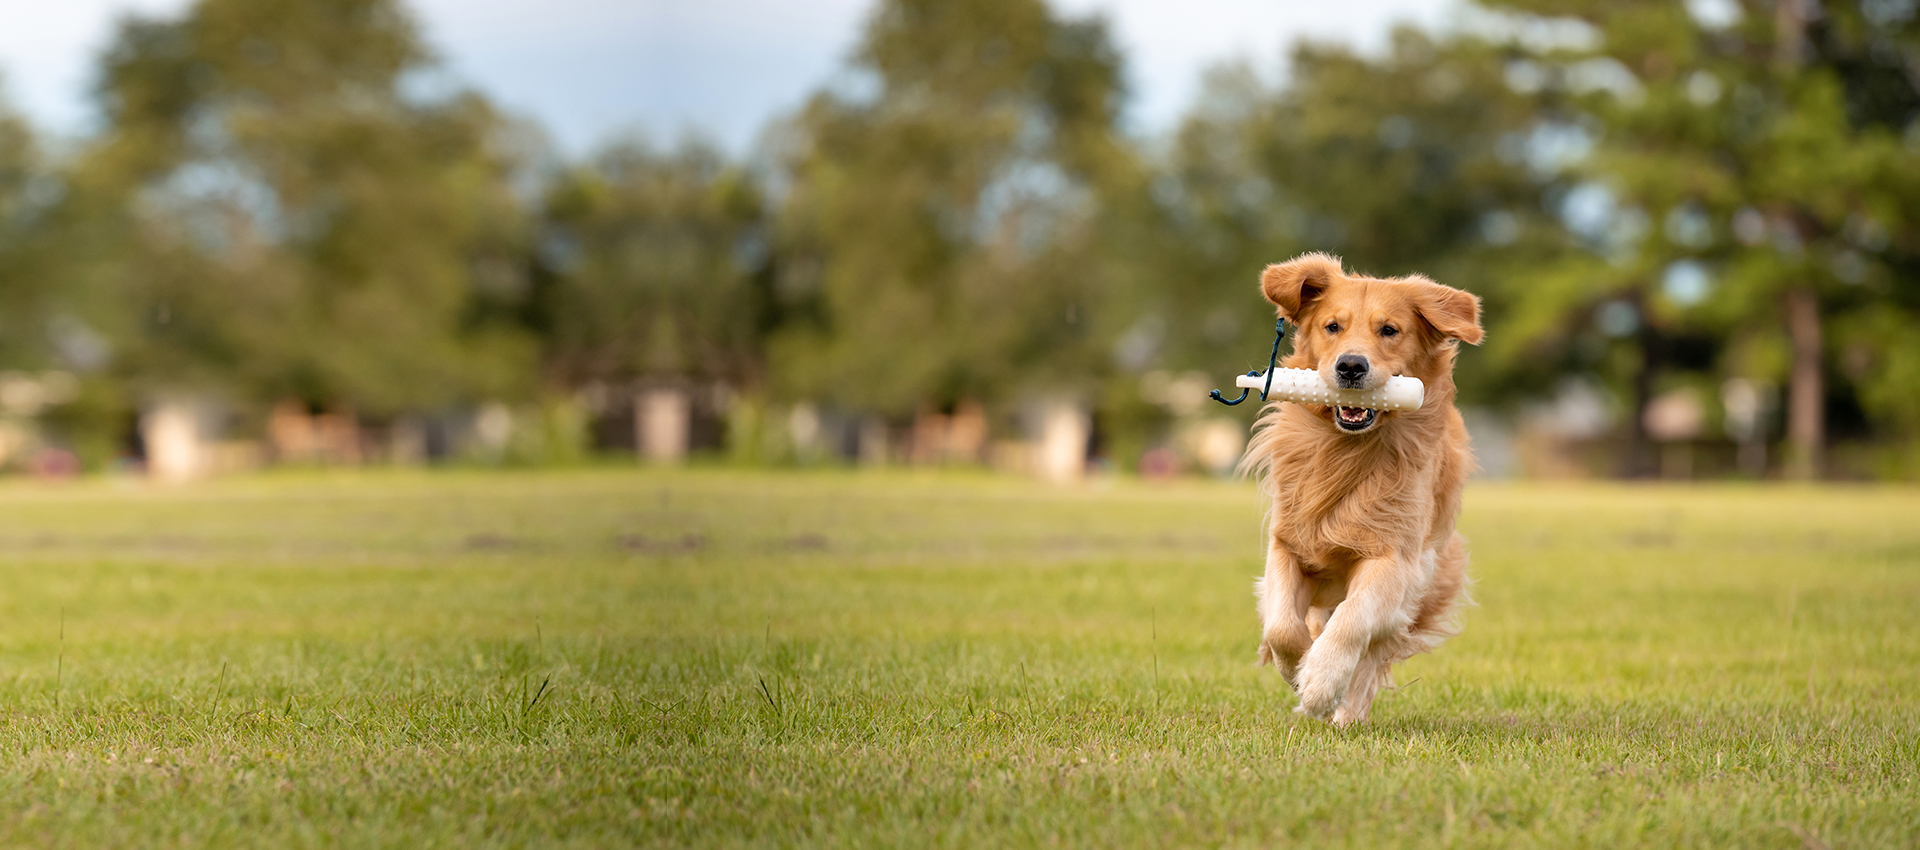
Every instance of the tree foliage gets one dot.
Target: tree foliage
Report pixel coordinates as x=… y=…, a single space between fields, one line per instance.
x=940 y=224
x=655 y=265
x=1759 y=194
x=25 y=187
x=282 y=204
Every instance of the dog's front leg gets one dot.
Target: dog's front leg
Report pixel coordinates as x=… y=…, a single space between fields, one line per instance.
x=1283 y=596
x=1374 y=609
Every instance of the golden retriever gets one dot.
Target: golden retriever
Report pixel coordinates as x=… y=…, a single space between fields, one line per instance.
x=1364 y=567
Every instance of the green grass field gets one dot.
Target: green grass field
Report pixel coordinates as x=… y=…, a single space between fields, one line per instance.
x=715 y=658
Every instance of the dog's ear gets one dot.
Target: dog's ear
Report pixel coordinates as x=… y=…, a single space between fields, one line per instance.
x=1452 y=312
x=1292 y=285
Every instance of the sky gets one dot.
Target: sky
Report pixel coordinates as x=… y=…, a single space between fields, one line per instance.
x=592 y=70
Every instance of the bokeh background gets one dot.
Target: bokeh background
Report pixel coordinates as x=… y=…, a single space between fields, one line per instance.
x=995 y=233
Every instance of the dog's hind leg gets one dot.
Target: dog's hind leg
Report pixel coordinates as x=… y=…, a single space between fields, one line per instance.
x=1283 y=596
x=1434 y=622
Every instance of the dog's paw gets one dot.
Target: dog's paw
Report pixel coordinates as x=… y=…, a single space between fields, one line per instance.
x=1324 y=676
x=1317 y=708
x=1319 y=697
x=1286 y=662
x=1347 y=714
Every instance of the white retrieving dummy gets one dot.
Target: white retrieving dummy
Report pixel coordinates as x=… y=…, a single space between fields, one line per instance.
x=1305 y=387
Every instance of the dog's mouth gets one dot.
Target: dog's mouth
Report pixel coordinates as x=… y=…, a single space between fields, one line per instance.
x=1353 y=420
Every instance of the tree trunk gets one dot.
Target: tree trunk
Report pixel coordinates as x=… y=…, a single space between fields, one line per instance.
x=1806 y=397
x=1638 y=460
x=1637 y=457
x=1790 y=33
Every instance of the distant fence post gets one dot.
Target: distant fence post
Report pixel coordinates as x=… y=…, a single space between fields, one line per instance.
x=171 y=432
x=662 y=416
x=1064 y=431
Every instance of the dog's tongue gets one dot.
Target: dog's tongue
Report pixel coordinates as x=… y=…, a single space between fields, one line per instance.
x=1353 y=414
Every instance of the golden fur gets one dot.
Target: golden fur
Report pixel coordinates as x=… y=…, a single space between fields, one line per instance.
x=1364 y=567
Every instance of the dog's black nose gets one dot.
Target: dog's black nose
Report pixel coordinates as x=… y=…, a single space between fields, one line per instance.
x=1349 y=369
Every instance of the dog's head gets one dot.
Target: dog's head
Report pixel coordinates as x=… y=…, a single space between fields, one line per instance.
x=1360 y=331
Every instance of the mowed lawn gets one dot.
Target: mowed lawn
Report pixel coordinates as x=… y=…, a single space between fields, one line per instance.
x=616 y=657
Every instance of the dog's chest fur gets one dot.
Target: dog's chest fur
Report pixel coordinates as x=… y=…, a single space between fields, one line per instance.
x=1338 y=498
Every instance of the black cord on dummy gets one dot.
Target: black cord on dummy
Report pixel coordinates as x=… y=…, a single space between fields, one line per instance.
x=1279 y=333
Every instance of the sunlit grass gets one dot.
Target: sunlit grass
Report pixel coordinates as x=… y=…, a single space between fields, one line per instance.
x=719 y=658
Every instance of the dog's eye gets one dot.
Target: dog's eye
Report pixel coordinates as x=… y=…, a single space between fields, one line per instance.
x=1333 y=327
x=1388 y=330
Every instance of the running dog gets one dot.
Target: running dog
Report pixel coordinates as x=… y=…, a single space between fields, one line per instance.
x=1364 y=567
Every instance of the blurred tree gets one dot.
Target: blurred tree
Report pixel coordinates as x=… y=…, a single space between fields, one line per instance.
x=939 y=228
x=39 y=333
x=1750 y=157
x=655 y=264
x=26 y=187
x=288 y=198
